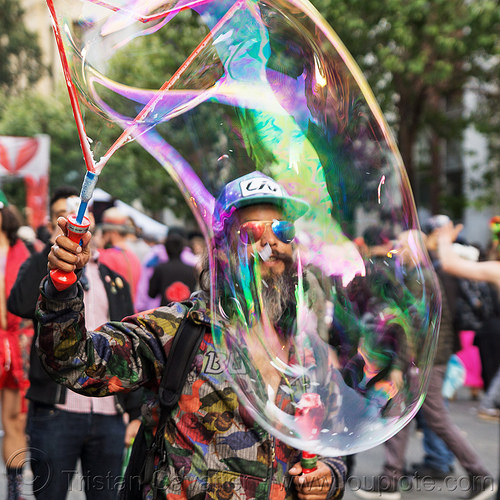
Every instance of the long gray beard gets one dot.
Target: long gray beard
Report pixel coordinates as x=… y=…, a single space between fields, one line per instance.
x=277 y=292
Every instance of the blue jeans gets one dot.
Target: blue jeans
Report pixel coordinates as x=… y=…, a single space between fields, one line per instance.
x=437 y=455
x=58 y=439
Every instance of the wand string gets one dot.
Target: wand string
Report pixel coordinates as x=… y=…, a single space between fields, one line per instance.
x=127 y=133
x=87 y=153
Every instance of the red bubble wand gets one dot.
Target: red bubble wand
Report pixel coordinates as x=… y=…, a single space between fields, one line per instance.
x=77 y=224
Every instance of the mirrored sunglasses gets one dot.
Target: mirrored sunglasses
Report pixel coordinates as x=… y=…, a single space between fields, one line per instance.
x=252 y=231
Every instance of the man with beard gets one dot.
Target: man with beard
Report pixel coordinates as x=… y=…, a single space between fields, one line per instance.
x=215 y=449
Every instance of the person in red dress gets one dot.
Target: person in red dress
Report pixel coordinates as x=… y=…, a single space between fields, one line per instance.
x=15 y=341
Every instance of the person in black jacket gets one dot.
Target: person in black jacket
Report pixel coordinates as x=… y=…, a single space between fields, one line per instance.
x=173 y=280
x=64 y=427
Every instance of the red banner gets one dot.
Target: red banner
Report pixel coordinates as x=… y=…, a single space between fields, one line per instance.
x=29 y=158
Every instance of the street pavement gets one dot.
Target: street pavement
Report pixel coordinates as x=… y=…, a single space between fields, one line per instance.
x=484 y=436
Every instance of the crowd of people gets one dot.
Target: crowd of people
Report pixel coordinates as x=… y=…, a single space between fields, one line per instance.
x=38 y=412
x=77 y=366
x=443 y=441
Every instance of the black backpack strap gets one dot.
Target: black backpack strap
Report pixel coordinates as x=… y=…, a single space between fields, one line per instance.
x=179 y=363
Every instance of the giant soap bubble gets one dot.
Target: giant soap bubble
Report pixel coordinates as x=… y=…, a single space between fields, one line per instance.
x=323 y=299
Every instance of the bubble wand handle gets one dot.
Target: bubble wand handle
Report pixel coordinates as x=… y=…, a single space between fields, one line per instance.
x=309 y=462
x=88 y=186
x=77 y=226
x=64 y=279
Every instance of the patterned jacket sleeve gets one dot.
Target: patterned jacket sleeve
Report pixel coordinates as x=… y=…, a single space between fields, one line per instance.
x=339 y=472
x=119 y=356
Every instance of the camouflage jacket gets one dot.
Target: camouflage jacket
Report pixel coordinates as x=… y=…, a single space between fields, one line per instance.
x=215 y=449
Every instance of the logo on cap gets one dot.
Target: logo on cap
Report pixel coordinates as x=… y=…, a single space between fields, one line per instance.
x=257 y=186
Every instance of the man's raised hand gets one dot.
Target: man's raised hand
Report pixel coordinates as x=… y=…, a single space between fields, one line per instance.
x=67 y=255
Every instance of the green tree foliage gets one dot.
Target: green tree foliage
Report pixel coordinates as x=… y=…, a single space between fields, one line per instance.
x=488 y=123
x=131 y=174
x=30 y=114
x=20 y=54
x=419 y=57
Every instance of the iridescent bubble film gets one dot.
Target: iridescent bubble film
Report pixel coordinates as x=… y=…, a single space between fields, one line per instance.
x=324 y=303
